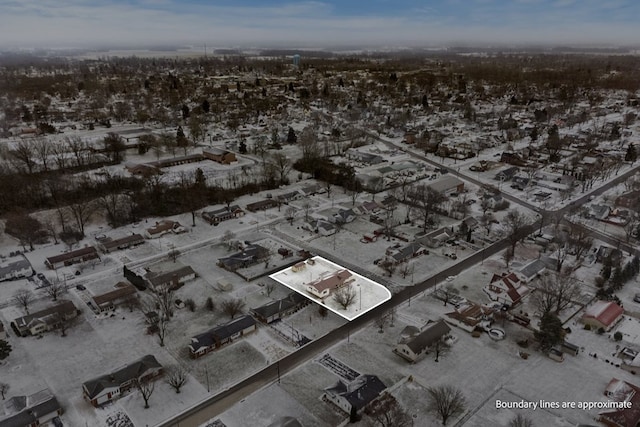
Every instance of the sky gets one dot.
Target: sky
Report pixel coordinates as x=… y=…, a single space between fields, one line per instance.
x=324 y=23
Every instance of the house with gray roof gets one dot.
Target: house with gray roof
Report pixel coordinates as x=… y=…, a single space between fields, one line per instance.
x=26 y=411
x=447 y=185
x=355 y=395
x=15 y=268
x=276 y=310
x=420 y=344
x=250 y=255
x=108 y=387
x=44 y=320
x=221 y=335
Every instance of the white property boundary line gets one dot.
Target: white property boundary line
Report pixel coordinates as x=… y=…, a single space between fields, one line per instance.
x=345 y=314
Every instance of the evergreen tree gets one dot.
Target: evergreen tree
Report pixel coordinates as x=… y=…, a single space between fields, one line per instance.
x=550 y=332
x=631 y=154
x=181 y=139
x=205 y=106
x=291 y=136
x=5 y=349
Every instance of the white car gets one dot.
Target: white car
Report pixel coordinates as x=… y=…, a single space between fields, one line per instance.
x=451 y=278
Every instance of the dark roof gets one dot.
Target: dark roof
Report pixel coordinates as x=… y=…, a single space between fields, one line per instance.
x=429 y=336
x=16 y=264
x=123 y=241
x=279 y=306
x=222 y=332
x=252 y=253
x=122 y=290
x=89 y=250
x=360 y=391
x=123 y=375
x=22 y=411
x=63 y=307
x=158 y=279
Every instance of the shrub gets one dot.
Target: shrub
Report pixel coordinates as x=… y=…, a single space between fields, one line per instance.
x=587 y=327
x=617 y=336
x=600 y=331
x=209 y=304
x=191 y=304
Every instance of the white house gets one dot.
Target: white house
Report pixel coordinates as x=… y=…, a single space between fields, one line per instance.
x=356 y=394
x=324 y=285
x=106 y=388
x=420 y=344
x=34 y=410
x=506 y=289
x=15 y=268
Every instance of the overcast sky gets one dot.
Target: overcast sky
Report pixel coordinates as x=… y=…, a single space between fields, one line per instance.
x=382 y=23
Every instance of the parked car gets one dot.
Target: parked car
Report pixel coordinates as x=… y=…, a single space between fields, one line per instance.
x=636 y=298
x=81 y=288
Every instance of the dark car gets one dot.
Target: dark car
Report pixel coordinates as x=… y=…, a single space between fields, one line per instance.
x=636 y=298
x=81 y=288
x=57 y=422
x=41 y=276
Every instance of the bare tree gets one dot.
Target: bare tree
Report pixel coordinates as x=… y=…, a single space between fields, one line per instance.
x=232 y=307
x=555 y=292
x=282 y=166
x=520 y=421
x=176 y=376
x=173 y=254
x=445 y=401
x=388 y=265
x=227 y=238
x=516 y=227
x=162 y=297
x=386 y=411
x=290 y=214
x=42 y=150
x=55 y=289
x=4 y=389
x=23 y=156
x=145 y=387
x=381 y=322
x=269 y=288
x=440 y=348
x=306 y=206
x=345 y=296
x=64 y=322
x=23 y=227
x=81 y=211
x=580 y=240
x=406 y=269
x=24 y=297
x=507 y=256
x=427 y=200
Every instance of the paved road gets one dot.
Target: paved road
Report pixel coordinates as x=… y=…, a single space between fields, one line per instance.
x=214 y=405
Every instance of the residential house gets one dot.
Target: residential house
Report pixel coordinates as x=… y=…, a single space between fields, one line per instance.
x=276 y=310
x=250 y=255
x=532 y=270
x=628 y=200
x=44 y=320
x=447 y=185
x=419 y=345
x=364 y=157
x=602 y=314
x=221 y=335
x=366 y=208
x=123 y=293
x=355 y=395
x=262 y=205
x=15 y=268
x=311 y=190
x=163 y=227
x=173 y=275
x=622 y=391
x=218 y=155
x=289 y=197
x=320 y=226
x=506 y=289
x=407 y=252
x=599 y=212
x=106 y=388
x=469 y=316
x=604 y=252
x=216 y=216
x=345 y=216
x=436 y=238
x=507 y=174
x=324 y=285
x=109 y=245
x=175 y=161
x=73 y=257
x=29 y=411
